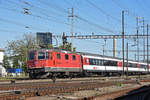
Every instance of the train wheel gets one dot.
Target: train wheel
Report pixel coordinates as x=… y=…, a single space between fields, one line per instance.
x=70 y=76
x=32 y=76
x=54 y=79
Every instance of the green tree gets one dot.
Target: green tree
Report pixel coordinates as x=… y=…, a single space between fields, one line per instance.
x=67 y=47
x=6 y=63
x=18 y=50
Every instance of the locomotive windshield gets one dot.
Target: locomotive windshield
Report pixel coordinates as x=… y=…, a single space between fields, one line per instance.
x=31 y=55
x=43 y=55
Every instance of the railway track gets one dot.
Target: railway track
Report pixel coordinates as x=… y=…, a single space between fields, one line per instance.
x=27 y=80
x=48 y=88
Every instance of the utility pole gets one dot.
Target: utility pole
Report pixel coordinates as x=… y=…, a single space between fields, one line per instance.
x=147 y=49
x=127 y=59
x=114 y=46
x=123 y=41
x=143 y=39
x=72 y=29
x=103 y=50
x=137 y=32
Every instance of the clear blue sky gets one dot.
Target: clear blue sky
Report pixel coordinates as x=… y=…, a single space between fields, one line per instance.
x=97 y=16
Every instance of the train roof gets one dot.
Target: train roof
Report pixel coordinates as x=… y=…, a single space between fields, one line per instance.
x=111 y=57
x=57 y=50
x=85 y=54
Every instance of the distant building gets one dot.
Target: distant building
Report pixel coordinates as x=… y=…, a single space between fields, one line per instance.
x=1 y=56
x=44 y=39
x=2 y=69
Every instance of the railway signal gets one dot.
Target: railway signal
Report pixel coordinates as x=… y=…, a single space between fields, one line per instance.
x=64 y=38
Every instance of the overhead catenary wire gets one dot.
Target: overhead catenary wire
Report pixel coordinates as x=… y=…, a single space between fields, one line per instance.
x=55 y=7
x=49 y=18
x=85 y=12
x=124 y=8
x=19 y=24
x=34 y=15
x=96 y=25
x=102 y=11
x=41 y=10
x=10 y=31
x=36 y=8
x=64 y=11
x=141 y=6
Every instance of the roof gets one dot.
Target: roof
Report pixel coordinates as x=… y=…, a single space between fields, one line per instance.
x=2 y=50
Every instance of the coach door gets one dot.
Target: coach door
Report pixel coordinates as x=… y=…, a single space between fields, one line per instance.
x=58 y=60
x=52 y=61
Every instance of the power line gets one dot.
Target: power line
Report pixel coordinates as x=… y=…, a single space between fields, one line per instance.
x=80 y=18
x=27 y=3
x=120 y=6
x=84 y=12
x=42 y=10
x=18 y=24
x=141 y=4
x=102 y=11
x=10 y=31
x=56 y=7
x=56 y=20
x=30 y=14
x=94 y=24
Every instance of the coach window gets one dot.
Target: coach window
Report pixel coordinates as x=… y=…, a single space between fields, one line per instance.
x=114 y=63
x=47 y=55
x=106 y=63
x=41 y=55
x=125 y=64
x=129 y=65
x=90 y=61
x=97 y=62
x=101 y=62
x=133 y=65
x=58 y=56
x=142 y=66
x=145 y=66
x=94 y=61
x=66 y=56
x=73 y=57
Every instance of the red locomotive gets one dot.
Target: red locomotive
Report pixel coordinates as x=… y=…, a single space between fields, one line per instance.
x=53 y=63
x=61 y=63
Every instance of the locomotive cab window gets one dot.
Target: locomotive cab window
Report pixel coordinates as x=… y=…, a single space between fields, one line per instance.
x=58 y=56
x=31 y=55
x=41 y=55
x=66 y=56
x=73 y=57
